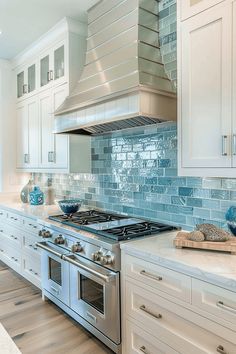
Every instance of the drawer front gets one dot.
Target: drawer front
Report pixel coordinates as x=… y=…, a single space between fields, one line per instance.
x=31 y=226
x=12 y=257
x=15 y=219
x=31 y=266
x=13 y=235
x=216 y=301
x=192 y=7
x=29 y=244
x=160 y=278
x=158 y=316
x=3 y=216
x=139 y=341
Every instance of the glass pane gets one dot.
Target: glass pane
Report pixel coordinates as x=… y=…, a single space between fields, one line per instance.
x=55 y=271
x=92 y=293
x=31 y=78
x=44 y=70
x=59 y=62
x=20 y=84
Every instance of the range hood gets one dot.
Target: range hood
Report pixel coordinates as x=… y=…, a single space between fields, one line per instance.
x=123 y=83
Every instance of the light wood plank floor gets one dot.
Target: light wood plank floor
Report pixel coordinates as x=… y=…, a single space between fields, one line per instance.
x=39 y=327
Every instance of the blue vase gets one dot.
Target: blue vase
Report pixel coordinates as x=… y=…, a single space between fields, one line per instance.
x=36 y=196
x=230 y=217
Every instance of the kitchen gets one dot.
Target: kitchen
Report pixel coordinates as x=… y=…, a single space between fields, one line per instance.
x=117 y=131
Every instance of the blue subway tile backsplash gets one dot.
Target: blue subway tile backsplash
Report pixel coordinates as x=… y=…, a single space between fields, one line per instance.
x=151 y=191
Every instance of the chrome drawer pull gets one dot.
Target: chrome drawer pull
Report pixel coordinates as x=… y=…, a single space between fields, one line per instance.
x=226 y=307
x=221 y=350
x=143 y=308
x=224 y=145
x=143 y=350
x=151 y=276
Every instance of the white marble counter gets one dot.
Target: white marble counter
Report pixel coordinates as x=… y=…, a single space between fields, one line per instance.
x=11 y=202
x=7 y=346
x=214 y=267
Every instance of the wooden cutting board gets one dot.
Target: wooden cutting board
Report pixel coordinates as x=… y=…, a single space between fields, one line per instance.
x=181 y=241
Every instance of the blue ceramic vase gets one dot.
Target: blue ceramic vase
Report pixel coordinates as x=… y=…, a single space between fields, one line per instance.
x=36 y=196
x=230 y=217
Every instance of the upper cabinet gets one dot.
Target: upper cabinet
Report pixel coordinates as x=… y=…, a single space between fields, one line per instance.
x=190 y=8
x=207 y=97
x=44 y=75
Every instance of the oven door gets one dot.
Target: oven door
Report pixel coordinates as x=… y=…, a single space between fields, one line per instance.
x=95 y=295
x=54 y=271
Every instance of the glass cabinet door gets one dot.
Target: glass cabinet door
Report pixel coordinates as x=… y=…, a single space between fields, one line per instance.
x=44 y=71
x=20 y=84
x=59 y=62
x=31 y=78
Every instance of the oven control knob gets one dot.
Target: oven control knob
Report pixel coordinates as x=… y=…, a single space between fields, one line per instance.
x=59 y=240
x=41 y=232
x=97 y=256
x=47 y=234
x=77 y=247
x=106 y=260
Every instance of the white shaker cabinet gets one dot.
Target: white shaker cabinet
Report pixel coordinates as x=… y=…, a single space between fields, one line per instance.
x=27 y=121
x=205 y=53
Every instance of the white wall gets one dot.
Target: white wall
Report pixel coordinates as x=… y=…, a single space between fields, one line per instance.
x=10 y=181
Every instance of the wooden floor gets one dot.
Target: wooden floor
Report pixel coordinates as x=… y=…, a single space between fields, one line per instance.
x=39 y=327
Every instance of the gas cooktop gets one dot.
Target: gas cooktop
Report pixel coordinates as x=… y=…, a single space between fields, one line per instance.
x=116 y=227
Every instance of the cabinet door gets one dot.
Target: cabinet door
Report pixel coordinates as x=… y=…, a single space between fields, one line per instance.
x=61 y=141
x=192 y=7
x=45 y=72
x=205 y=94
x=59 y=62
x=31 y=78
x=22 y=137
x=47 y=138
x=20 y=79
x=234 y=85
x=34 y=128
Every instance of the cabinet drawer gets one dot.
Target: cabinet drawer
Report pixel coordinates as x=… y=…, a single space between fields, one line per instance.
x=192 y=7
x=139 y=341
x=160 y=278
x=159 y=317
x=31 y=268
x=11 y=256
x=216 y=301
x=13 y=235
x=29 y=244
x=31 y=226
x=15 y=219
x=3 y=216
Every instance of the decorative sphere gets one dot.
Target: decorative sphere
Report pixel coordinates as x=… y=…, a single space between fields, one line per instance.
x=230 y=217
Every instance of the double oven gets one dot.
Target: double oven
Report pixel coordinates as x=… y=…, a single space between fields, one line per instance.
x=86 y=290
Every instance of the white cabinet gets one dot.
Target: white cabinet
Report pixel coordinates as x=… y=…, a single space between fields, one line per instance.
x=155 y=320
x=192 y=7
x=47 y=72
x=27 y=122
x=206 y=143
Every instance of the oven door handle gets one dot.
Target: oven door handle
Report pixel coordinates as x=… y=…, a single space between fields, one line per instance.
x=45 y=247
x=106 y=278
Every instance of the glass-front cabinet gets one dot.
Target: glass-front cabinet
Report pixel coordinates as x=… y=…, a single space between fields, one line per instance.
x=52 y=66
x=26 y=81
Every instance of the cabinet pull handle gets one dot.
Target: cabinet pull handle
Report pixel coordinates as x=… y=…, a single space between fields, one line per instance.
x=226 y=307
x=144 y=309
x=143 y=349
x=151 y=276
x=224 y=145
x=26 y=158
x=234 y=144
x=25 y=88
x=221 y=350
x=51 y=75
x=48 y=76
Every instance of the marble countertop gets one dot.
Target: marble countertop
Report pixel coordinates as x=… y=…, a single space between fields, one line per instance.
x=11 y=202
x=214 y=267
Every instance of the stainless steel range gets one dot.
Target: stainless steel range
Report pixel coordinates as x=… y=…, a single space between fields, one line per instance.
x=81 y=267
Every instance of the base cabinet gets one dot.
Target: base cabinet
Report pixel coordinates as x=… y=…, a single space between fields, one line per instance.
x=18 y=237
x=155 y=321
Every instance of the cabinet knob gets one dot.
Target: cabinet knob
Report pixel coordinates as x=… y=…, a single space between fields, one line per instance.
x=220 y=349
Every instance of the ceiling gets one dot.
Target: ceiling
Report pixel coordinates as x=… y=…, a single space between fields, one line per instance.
x=23 y=21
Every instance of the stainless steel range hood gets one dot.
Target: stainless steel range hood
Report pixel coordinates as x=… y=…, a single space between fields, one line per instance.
x=123 y=83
